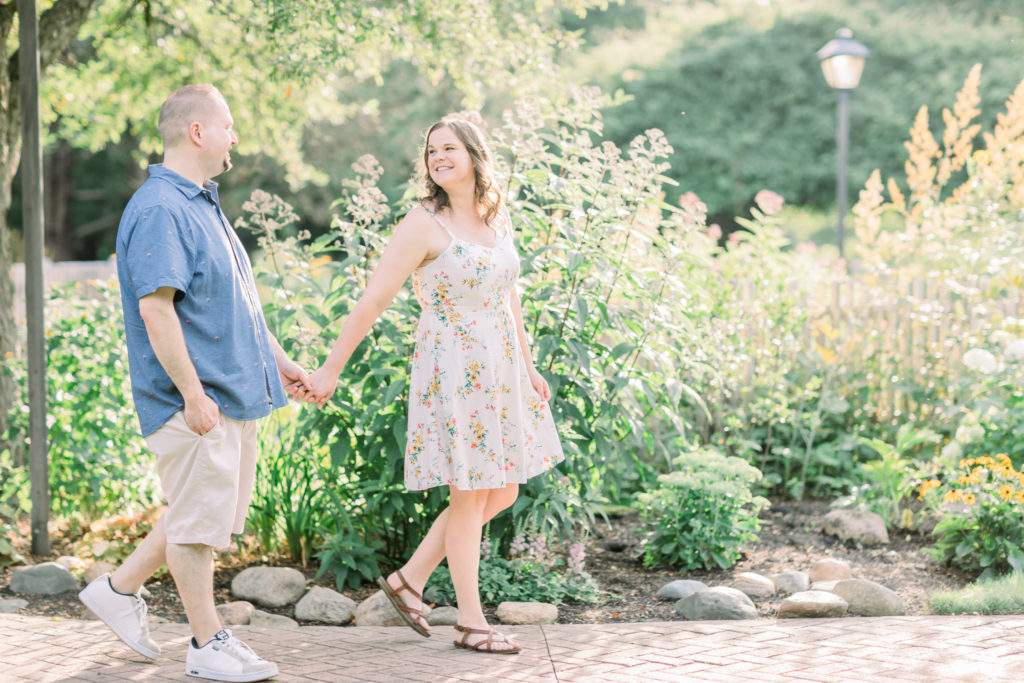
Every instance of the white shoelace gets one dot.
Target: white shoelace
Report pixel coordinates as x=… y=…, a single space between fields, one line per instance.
x=140 y=609
x=240 y=649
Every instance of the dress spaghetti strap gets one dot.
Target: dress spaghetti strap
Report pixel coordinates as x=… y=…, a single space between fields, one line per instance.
x=439 y=222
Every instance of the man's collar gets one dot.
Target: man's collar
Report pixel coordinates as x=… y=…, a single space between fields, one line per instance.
x=186 y=186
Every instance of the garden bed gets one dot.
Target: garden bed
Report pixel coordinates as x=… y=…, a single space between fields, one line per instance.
x=790 y=540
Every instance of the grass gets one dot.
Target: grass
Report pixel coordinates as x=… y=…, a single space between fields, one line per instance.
x=1003 y=595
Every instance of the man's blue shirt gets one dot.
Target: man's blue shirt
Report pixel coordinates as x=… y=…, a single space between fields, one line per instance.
x=173 y=234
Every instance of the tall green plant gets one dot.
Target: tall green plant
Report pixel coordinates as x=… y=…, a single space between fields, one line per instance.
x=98 y=465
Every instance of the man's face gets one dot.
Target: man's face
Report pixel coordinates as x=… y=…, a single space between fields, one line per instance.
x=218 y=139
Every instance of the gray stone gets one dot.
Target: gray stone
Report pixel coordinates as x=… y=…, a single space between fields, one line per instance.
x=325 y=606
x=269 y=586
x=830 y=569
x=677 y=590
x=869 y=599
x=261 y=618
x=829 y=586
x=788 y=583
x=812 y=604
x=236 y=613
x=96 y=570
x=377 y=610
x=443 y=616
x=859 y=526
x=432 y=596
x=754 y=585
x=720 y=602
x=527 y=613
x=48 y=578
x=12 y=605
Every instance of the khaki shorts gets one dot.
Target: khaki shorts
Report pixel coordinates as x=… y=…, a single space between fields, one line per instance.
x=207 y=479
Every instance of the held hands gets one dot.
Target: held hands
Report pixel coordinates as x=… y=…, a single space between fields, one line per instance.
x=540 y=385
x=318 y=388
x=293 y=377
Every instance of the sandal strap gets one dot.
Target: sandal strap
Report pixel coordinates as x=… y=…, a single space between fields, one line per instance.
x=406 y=587
x=480 y=645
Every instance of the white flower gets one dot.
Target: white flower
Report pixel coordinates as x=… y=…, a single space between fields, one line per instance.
x=1001 y=338
x=980 y=360
x=952 y=451
x=1015 y=349
x=968 y=432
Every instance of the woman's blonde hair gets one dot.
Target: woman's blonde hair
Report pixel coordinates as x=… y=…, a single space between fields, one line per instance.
x=487 y=195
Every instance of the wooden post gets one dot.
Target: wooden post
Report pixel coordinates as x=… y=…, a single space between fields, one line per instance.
x=32 y=226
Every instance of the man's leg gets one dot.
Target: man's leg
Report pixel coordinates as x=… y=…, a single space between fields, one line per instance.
x=192 y=568
x=147 y=557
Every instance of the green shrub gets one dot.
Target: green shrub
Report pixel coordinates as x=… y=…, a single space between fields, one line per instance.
x=531 y=573
x=98 y=464
x=891 y=477
x=983 y=527
x=702 y=513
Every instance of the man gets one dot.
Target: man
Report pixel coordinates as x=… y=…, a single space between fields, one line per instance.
x=204 y=367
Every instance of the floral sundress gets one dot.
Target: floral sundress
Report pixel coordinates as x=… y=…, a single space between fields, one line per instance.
x=475 y=421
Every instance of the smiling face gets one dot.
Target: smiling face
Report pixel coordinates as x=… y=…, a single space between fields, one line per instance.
x=447 y=160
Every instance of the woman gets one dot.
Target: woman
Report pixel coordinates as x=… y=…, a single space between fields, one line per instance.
x=479 y=422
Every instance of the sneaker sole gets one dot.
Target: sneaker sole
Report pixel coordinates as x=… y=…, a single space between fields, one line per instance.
x=95 y=609
x=232 y=678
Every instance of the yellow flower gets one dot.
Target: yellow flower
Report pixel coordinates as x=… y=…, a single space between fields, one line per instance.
x=965 y=463
x=981 y=157
x=970 y=499
x=926 y=486
x=1005 y=492
x=952 y=496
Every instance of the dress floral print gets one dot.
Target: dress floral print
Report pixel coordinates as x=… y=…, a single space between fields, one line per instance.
x=475 y=421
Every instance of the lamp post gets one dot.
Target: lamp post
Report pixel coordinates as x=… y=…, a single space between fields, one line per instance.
x=842 y=61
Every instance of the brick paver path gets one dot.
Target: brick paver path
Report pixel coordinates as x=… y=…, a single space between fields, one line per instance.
x=886 y=649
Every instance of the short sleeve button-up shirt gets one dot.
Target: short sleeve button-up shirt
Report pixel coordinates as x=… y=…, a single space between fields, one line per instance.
x=174 y=234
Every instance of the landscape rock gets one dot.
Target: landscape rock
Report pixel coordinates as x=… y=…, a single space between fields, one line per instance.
x=96 y=570
x=812 y=604
x=720 y=602
x=680 y=589
x=869 y=599
x=754 y=585
x=829 y=586
x=788 y=583
x=48 y=578
x=527 y=613
x=261 y=618
x=377 y=610
x=12 y=605
x=269 y=586
x=443 y=616
x=237 y=613
x=830 y=569
x=432 y=596
x=859 y=526
x=325 y=606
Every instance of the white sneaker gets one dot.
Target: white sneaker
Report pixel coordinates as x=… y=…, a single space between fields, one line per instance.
x=226 y=658
x=124 y=614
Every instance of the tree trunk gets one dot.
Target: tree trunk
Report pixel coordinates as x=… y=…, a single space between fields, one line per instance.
x=59 y=166
x=58 y=26
x=10 y=155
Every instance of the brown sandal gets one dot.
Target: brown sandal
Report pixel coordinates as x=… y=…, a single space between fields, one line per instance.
x=485 y=645
x=409 y=615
